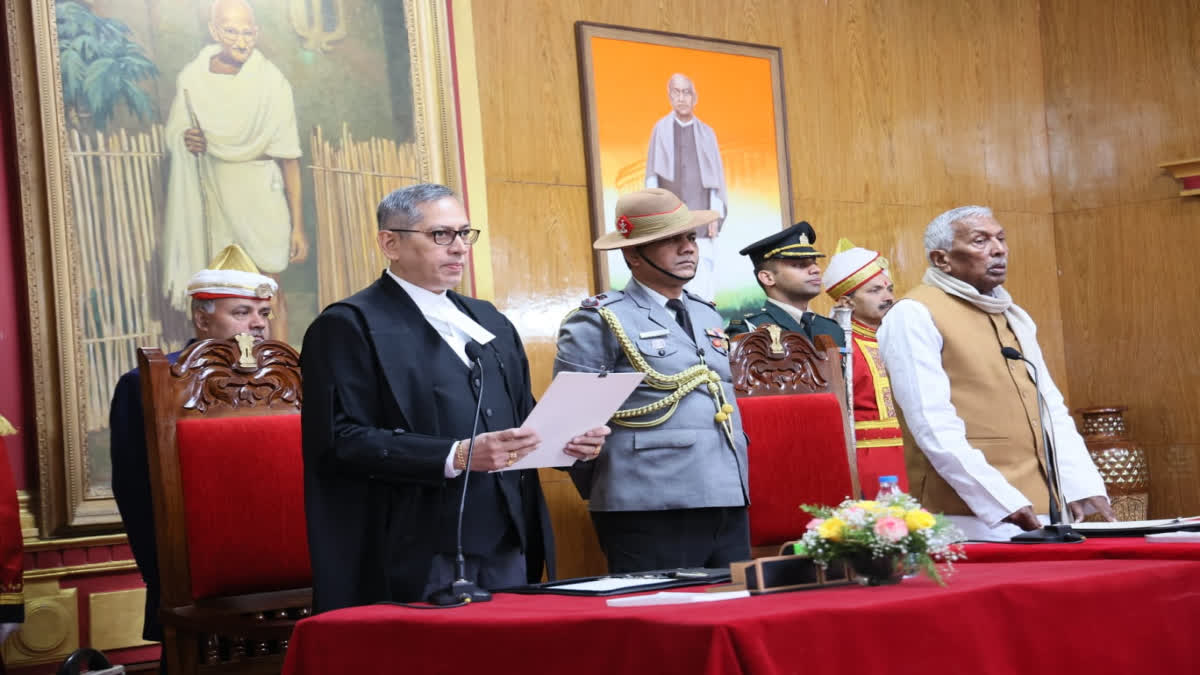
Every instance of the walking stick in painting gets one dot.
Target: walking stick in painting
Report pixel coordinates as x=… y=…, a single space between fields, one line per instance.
x=187 y=100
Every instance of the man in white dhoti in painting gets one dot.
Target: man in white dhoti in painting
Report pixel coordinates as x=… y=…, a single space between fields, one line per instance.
x=235 y=160
x=684 y=159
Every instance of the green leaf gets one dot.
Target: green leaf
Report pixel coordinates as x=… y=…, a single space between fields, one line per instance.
x=73 y=69
x=136 y=99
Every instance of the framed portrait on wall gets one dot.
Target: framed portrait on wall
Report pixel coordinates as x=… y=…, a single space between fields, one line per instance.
x=703 y=118
x=153 y=133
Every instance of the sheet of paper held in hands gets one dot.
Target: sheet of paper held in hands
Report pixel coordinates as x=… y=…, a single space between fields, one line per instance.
x=573 y=404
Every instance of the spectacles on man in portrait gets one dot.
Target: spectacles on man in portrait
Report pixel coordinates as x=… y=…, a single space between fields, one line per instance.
x=443 y=237
x=231 y=34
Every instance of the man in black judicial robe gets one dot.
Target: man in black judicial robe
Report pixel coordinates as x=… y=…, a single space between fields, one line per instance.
x=389 y=401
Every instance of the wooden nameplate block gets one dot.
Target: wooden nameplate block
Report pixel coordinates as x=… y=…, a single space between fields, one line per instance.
x=785 y=573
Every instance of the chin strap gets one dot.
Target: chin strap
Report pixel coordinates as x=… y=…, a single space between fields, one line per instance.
x=651 y=263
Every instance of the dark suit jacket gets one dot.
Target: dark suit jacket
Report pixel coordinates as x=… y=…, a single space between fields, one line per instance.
x=131 y=487
x=772 y=313
x=376 y=441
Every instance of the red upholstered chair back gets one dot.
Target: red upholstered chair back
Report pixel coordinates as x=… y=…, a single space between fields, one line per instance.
x=231 y=468
x=223 y=434
x=792 y=398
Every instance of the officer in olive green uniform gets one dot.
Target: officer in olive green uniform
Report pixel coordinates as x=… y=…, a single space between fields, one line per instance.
x=785 y=265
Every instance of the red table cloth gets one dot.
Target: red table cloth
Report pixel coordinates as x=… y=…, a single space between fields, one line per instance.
x=1094 y=548
x=1109 y=616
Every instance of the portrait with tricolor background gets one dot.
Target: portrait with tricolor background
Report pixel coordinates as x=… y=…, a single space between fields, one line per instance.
x=724 y=101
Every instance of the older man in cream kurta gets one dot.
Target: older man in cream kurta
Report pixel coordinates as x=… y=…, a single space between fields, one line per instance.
x=974 y=445
x=239 y=182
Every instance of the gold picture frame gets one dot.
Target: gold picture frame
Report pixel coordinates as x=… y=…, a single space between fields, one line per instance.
x=625 y=79
x=67 y=389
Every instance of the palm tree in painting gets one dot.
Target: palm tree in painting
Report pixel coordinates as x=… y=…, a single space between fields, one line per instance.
x=101 y=67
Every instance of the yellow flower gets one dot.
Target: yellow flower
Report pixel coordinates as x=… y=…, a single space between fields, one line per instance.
x=896 y=511
x=832 y=529
x=867 y=505
x=919 y=519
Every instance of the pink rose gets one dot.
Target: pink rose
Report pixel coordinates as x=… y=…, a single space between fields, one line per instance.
x=891 y=528
x=814 y=523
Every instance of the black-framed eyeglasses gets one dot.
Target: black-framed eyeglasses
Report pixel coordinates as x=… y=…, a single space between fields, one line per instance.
x=445 y=237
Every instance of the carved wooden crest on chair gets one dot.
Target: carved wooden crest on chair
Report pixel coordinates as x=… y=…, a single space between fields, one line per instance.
x=239 y=374
x=223 y=434
x=801 y=444
x=772 y=361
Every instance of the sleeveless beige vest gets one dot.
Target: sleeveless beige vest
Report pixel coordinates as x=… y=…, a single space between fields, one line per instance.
x=995 y=398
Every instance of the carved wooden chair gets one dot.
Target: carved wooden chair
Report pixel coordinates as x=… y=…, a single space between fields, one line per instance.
x=792 y=398
x=223 y=433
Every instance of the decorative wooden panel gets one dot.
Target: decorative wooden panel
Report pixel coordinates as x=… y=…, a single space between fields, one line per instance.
x=1127 y=286
x=1121 y=97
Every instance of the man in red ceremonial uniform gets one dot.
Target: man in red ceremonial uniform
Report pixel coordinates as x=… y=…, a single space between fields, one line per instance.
x=12 y=601
x=857 y=278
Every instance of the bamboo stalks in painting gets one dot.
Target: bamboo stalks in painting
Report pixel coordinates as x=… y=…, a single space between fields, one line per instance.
x=349 y=181
x=116 y=188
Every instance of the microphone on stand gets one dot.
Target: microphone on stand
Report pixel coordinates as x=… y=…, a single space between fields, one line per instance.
x=461 y=591
x=1057 y=531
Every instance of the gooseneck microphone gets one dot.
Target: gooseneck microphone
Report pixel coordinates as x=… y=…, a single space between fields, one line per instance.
x=461 y=591
x=1057 y=531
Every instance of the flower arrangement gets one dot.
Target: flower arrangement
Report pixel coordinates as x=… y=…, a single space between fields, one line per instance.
x=895 y=528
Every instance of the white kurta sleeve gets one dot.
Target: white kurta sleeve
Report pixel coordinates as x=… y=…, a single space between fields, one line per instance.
x=911 y=347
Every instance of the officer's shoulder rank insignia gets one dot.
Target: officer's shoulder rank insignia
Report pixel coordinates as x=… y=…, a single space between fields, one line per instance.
x=697 y=298
x=602 y=299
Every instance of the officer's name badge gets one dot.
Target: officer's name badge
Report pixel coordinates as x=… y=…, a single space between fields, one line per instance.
x=652 y=334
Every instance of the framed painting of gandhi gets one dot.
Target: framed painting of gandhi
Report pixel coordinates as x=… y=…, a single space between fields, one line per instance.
x=152 y=134
x=703 y=118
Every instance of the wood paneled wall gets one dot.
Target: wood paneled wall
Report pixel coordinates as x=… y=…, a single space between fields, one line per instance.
x=1122 y=96
x=896 y=112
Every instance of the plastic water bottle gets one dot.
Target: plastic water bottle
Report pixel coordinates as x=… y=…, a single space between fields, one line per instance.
x=889 y=486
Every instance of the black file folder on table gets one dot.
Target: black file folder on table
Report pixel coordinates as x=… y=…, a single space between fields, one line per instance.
x=636 y=582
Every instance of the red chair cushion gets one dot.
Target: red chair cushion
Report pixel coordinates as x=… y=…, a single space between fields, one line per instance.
x=243 y=493
x=797 y=455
